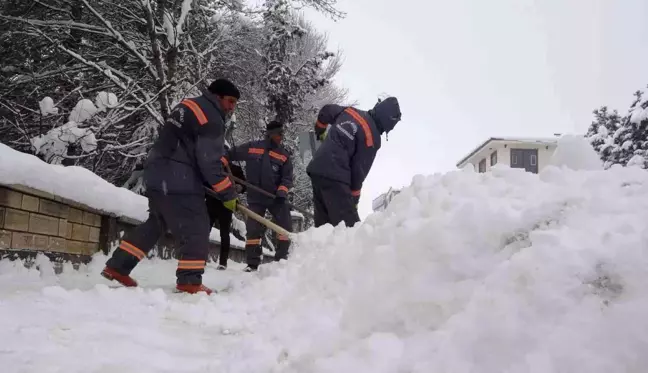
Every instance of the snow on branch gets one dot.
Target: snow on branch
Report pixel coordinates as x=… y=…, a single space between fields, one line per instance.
x=174 y=32
x=67 y=24
x=120 y=39
x=106 y=72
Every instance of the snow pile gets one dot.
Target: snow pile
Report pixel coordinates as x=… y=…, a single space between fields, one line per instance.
x=74 y=183
x=576 y=152
x=46 y=106
x=77 y=184
x=505 y=271
x=637 y=161
x=54 y=144
x=105 y=101
x=83 y=111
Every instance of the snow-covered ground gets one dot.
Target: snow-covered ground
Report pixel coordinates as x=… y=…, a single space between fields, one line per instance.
x=464 y=272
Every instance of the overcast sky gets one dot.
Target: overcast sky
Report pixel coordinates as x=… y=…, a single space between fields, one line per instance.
x=466 y=70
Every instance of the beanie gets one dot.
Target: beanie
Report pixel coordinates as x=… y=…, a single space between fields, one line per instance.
x=274 y=128
x=224 y=87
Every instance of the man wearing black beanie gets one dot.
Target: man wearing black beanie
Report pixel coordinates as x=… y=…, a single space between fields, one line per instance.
x=186 y=156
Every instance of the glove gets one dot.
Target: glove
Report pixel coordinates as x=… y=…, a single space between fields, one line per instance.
x=322 y=137
x=281 y=194
x=231 y=204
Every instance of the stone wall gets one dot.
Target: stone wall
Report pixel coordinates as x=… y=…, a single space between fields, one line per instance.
x=30 y=222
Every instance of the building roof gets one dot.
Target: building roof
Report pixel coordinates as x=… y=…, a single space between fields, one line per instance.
x=538 y=140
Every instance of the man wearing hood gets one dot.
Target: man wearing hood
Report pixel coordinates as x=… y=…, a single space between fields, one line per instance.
x=268 y=166
x=185 y=156
x=351 y=139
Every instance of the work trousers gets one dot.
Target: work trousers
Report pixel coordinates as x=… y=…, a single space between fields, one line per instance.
x=333 y=203
x=281 y=216
x=185 y=216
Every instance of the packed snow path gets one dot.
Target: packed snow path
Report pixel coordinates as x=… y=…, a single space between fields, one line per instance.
x=499 y=272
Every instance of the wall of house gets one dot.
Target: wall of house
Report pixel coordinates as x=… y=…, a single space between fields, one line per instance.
x=504 y=153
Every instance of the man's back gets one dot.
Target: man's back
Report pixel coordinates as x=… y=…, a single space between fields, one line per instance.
x=188 y=151
x=347 y=153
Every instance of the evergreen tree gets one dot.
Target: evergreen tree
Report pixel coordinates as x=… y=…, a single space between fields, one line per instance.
x=622 y=140
x=601 y=131
x=630 y=139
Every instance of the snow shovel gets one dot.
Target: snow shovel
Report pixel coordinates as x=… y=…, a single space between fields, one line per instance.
x=264 y=192
x=249 y=213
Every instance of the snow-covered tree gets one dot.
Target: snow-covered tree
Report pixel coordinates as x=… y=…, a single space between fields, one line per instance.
x=622 y=140
x=600 y=132
x=134 y=61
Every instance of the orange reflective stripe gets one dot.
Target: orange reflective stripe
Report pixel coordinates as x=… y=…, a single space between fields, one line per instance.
x=225 y=161
x=281 y=187
x=355 y=193
x=191 y=264
x=253 y=241
x=278 y=156
x=320 y=124
x=222 y=185
x=281 y=237
x=256 y=151
x=132 y=249
x=202 y=119
x=363 y=123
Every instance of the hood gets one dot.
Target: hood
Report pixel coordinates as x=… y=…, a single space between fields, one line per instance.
x=386 y=114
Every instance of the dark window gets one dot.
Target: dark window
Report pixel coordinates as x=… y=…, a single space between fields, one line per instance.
x=494 y=158
x=525 y=158
x=482 y=165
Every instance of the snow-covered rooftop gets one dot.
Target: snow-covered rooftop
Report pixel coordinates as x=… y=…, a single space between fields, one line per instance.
x=539 y=140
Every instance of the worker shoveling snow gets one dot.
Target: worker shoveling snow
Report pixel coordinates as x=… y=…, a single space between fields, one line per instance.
x=505 y=271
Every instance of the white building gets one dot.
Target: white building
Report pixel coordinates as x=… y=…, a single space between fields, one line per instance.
x=381 y=202
x=532 y=154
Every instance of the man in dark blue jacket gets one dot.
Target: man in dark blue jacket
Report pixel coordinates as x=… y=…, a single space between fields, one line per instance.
x=186 y=155
x=341 y=164
x=267 y=166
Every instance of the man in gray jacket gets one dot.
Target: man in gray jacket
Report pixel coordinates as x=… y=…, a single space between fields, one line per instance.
x=341 y=164
x=186 y=156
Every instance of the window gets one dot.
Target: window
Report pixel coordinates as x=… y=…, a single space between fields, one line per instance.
x=494 y=158
x=482 y=165
x=532 y=160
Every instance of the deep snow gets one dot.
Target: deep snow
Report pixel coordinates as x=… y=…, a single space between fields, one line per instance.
x=505 y=271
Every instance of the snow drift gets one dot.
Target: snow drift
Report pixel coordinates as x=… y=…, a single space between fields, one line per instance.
x=503 y=271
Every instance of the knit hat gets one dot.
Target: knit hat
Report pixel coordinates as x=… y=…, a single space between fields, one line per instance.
x=274 y=128
x=224 y=87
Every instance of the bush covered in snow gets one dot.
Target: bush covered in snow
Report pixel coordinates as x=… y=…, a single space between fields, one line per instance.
x=622 y=139
x=55 y=145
